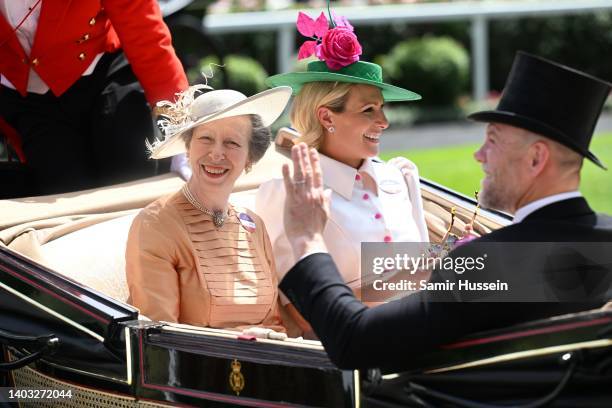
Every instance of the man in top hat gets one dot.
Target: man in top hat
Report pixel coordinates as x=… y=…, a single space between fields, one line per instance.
x=532 y=155
x=535 y=144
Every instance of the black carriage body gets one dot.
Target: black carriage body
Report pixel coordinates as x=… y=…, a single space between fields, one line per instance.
x=106 y=354
x=564 y=361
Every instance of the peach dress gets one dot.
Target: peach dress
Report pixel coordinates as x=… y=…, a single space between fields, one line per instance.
x=180 y=268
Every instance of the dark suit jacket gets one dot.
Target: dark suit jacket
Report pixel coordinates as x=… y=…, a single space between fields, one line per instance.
x=388 y=336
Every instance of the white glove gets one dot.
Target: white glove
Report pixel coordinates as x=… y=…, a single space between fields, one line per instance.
x=180 y=165
x=411 y=176
x=263 y=333
x=402 y=163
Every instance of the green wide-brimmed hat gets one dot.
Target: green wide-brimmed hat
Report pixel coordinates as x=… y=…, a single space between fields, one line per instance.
x=359 y=72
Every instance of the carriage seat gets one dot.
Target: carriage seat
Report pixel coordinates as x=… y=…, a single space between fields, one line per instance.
x=90 y=249
x=93 y=256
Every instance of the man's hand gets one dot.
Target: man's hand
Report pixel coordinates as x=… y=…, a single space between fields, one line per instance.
x=307 y=204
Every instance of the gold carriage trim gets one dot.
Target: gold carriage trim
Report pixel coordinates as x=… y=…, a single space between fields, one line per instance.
x=82 y=397
x=527 y=354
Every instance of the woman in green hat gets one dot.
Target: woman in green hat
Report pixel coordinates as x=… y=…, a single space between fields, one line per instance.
x=338 y=110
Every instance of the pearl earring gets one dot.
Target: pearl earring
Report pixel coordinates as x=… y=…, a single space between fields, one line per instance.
x=331 y=129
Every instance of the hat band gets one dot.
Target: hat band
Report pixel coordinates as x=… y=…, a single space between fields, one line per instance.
x=360 y=69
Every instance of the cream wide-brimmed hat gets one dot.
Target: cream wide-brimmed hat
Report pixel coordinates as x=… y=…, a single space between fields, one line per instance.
x=219 y=104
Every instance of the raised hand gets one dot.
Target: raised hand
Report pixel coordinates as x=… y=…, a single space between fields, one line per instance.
x=307 y=204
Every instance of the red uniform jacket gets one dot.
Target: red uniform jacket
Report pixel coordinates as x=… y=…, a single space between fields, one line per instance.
x=71 y=33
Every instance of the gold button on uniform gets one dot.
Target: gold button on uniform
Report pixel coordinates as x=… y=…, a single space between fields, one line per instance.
x=82 y=56
x=83 y=39
x=35 y=62
x=92 y=21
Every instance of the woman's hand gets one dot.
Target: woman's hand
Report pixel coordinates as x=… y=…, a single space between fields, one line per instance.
x=307 y=203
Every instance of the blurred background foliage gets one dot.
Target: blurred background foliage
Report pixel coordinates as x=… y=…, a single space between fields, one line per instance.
x=243 y=73
x=434 y=58
x=434 y=66
x=583 y=42
x=436 y=164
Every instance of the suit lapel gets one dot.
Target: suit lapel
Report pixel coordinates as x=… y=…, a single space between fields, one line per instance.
x=562 y=210
x=51 y=15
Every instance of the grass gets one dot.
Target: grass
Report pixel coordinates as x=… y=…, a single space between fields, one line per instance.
x=456 y=168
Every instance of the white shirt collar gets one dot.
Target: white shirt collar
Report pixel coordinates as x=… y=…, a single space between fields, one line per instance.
x=524 y=211
x=340 y=177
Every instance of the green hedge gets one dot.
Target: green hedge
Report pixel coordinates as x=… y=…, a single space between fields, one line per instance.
x=435 y=67
x=582 y=41
x=245 y=74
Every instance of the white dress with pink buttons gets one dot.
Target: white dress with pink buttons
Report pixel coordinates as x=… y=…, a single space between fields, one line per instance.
x=374 y=203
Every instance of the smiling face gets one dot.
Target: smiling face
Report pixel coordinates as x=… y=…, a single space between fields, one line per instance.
x=505 y=164
x=357 y=129
x=218 y=154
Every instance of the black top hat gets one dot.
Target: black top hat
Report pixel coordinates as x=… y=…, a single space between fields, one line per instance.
x=552 y=100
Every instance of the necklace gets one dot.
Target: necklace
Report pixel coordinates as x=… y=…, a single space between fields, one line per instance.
x=218 y=217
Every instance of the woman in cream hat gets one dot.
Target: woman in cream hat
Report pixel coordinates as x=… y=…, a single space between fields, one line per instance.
x=338 y=109
x=192 y=257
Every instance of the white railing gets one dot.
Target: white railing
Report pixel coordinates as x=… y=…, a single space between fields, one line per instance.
x=479 y=13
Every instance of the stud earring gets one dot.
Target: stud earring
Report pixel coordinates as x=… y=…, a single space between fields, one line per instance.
x=331 y=129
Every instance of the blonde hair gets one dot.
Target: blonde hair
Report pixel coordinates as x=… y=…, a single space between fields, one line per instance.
x=312 y=96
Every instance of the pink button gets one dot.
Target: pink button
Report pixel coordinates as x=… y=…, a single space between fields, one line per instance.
x=387 y=238
x=378 y=216
x=357 y=177
x=366 y=196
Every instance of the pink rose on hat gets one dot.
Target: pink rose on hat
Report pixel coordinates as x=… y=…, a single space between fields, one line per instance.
x=337 y=46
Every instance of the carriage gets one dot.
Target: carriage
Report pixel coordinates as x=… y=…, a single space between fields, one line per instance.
x=65 y=325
